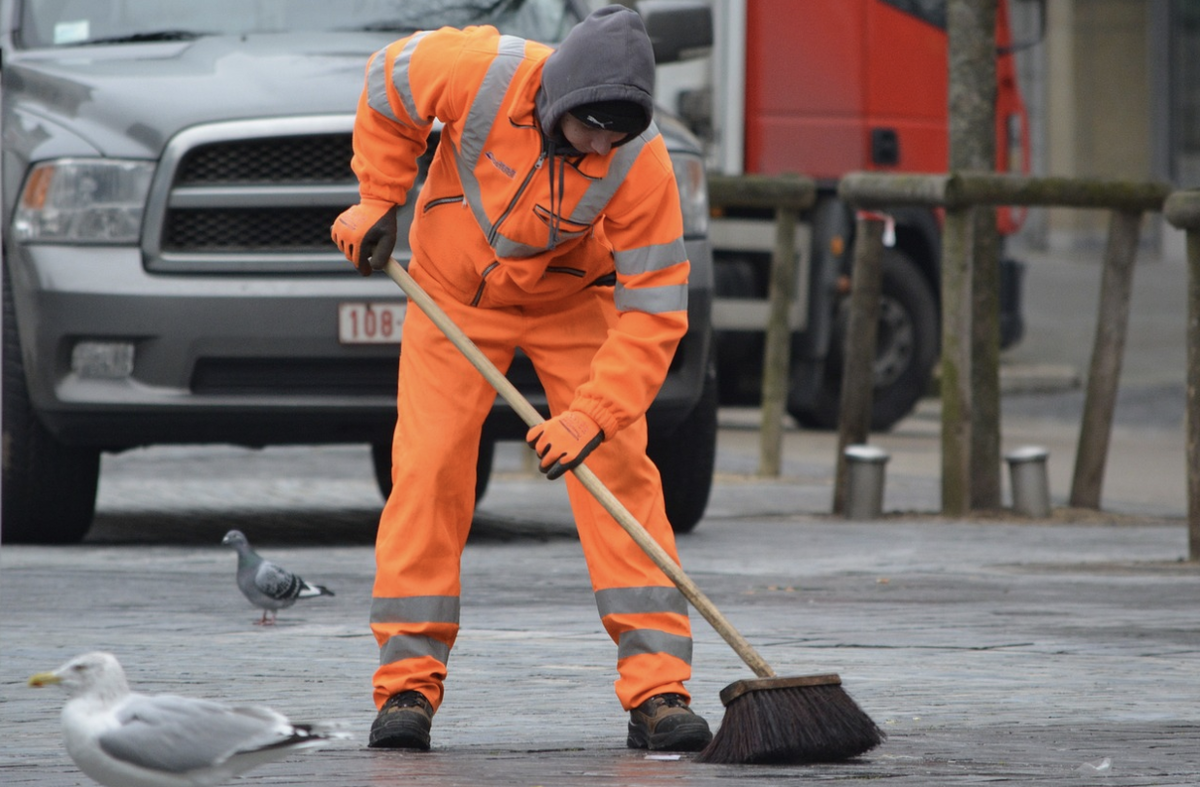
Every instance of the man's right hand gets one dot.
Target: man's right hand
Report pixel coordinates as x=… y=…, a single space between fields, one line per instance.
x=366 y=234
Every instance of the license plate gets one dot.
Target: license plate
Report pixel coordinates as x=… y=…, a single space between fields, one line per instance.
x=371 y=323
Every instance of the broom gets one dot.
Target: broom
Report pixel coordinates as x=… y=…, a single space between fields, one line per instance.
x=770 y=719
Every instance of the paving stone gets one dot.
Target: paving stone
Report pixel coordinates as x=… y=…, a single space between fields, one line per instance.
x=993 y=649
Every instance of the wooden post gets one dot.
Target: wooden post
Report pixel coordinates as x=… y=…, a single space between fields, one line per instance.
x=776 y=355
x=858 y=371
x=958 y=193
x=985 y=363
x=1182 y=209
x=789 y=196
x=1116 y=290
x=971 y=26
x=1192 y=414
x=957 y=244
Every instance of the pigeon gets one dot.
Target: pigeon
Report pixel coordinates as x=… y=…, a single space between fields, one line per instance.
x=266 y=585
x=124 y=739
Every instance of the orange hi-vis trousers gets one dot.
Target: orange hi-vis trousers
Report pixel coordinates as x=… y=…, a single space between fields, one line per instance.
x=442 y=403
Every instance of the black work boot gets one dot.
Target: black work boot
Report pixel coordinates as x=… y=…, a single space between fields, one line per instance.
x=403 y=723
x=666 y=723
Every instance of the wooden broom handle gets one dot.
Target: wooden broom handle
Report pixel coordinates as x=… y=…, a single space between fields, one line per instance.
x=611 y=504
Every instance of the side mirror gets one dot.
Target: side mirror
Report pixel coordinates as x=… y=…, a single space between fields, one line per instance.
x=1039 y=37
x=679 y=29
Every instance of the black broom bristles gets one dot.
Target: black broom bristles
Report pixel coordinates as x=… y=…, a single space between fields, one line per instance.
x=790 y=724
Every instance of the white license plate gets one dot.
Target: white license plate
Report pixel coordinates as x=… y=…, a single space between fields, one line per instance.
x=371 y=323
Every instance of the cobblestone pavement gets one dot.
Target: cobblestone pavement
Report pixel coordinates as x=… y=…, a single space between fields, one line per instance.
x=994 y=649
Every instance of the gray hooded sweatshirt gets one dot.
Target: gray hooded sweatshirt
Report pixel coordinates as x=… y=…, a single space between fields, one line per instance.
x=606 y=57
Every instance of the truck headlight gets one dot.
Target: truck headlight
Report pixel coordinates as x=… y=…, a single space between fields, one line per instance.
x=77 y=200
x=693 y=194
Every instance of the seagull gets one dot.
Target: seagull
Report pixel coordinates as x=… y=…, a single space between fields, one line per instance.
x=268 y=586
x=123 y=739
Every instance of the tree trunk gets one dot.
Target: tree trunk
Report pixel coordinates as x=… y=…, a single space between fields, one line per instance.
x=972 y=31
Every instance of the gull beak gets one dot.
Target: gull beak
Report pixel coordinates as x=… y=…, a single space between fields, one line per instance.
x=43 y=679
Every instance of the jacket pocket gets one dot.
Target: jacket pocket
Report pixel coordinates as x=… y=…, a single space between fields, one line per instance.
x=451 y=246
x=441 y=201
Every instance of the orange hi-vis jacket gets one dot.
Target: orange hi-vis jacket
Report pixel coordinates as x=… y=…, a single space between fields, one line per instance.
x=504 y=219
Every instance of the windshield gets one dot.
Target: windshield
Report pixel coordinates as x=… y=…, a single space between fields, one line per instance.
x=59 y=23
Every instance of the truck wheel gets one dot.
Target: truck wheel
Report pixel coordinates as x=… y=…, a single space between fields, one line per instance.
x=906 y=349
x=381 y=457
x=686 y=457
x=49 y=488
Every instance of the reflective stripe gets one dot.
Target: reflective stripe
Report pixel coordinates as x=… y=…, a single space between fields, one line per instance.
x=480 y=119
x=642 y=600
x=377 y=86
x=377 y=82
x=412 y=646
x=600 y=192
x=510 y=248
x=650 y=258
x=643 y=641
x=651 y=300
x=401 y=81
x=415 y=609
x=490 y=97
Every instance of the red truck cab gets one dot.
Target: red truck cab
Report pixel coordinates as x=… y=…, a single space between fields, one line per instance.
x=836 y=86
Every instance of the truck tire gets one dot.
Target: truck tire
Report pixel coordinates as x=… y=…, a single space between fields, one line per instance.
x=381 y=457
x=907 y=347
x=49 y=487
x=686 y=458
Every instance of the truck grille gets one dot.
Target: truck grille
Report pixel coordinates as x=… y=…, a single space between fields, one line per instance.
x=323 y=158
x=258 y=196
x=295 y=230
x=224 y=168
x=252 y=196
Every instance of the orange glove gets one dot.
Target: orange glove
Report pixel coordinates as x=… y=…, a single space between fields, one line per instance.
x=564 y=441
x=366 y=234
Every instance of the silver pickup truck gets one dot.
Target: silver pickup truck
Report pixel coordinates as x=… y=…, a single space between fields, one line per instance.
x=170 y=173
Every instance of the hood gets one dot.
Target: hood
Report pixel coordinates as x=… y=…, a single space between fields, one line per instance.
x=606 y=57
x=129 y=100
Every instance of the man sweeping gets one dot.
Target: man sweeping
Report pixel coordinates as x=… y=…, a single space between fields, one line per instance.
x=549 y=222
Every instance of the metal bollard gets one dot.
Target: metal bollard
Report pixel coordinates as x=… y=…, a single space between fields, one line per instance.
x=864 y=481
x=1030 y=485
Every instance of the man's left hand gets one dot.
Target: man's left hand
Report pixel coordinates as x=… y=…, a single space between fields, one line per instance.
x=563 y=442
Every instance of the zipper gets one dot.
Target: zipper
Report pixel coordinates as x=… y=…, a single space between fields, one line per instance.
x=482 y=283
x=433 y=203
x=576 y=272
x=513 y=203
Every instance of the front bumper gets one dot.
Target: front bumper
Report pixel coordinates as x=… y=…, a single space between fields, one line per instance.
x=246 y=359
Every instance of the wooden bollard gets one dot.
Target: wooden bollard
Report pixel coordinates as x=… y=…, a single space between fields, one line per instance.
x=1182 y=209
x=858 y=371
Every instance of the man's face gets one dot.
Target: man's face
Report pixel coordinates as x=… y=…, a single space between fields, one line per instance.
x=586 y=139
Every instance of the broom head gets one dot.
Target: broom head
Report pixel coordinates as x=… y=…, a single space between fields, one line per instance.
x=805 y=719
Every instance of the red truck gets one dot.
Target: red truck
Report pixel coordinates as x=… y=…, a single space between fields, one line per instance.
x=822 y=88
